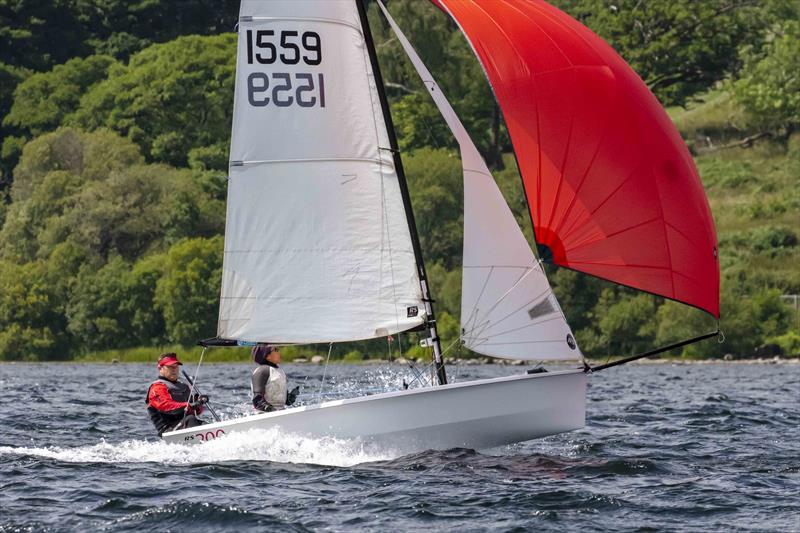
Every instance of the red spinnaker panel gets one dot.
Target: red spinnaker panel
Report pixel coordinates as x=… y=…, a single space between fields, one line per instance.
x=612 y=189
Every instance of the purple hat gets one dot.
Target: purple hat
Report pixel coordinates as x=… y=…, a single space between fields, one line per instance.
x=261 y=351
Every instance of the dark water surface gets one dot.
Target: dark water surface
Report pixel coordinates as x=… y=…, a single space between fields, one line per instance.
x=666 y=447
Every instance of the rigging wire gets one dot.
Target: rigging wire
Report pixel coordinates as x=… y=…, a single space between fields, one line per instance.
x=388 y=238
x=385 y=213
x=193 y=389
x=197 y=370
x=385 y=232
x=476 y=329
x=324 y=373
x=427 y=124
x=401 y=58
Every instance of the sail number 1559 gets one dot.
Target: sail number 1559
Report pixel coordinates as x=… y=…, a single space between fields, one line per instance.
x=285 y=89
x=266 y=48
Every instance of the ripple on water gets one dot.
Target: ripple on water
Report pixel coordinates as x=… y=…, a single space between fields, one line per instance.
x=205 y=516
x=665 y=448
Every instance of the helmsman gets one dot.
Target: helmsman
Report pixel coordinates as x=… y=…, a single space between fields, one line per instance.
x=170 y=402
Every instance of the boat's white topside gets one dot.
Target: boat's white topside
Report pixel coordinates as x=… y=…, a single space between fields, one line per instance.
x=469 y=403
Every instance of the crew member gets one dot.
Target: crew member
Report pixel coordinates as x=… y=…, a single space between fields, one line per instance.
x=170 y=403
x=269 y=381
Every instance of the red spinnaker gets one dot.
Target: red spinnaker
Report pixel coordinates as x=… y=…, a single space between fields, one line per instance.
x=612 y=189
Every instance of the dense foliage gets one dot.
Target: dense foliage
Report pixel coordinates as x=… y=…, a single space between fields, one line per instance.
x=769 y=89
x=115 y=125
x=678 y=48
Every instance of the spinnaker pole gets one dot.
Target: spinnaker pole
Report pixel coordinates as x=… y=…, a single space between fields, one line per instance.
x=651 y=353
x=441 y=375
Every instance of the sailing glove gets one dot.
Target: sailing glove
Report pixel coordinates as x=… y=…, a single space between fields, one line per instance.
x=291 y=397
x=198 y=404
x=260 y=403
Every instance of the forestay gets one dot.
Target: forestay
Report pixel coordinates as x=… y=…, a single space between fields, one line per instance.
x=507 y=306
x=317 y=245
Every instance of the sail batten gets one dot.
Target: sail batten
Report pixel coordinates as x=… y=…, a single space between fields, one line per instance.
x=501 y=277
x=317 y=241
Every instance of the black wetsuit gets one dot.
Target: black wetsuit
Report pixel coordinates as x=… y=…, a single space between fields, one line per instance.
x=260 y=381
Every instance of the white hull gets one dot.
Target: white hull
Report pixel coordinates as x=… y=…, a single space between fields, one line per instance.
x=476 y=414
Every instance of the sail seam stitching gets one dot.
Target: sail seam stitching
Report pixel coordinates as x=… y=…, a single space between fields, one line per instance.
x=311 y=160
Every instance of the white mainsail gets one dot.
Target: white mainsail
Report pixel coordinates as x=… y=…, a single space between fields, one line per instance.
x=508 y=308
x=317 y=244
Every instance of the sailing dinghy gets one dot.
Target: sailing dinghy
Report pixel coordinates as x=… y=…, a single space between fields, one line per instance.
x=321 y=243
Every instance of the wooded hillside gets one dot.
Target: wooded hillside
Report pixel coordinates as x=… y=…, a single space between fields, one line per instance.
x=115 y=123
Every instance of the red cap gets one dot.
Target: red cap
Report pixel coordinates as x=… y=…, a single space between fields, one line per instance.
x=169 y=359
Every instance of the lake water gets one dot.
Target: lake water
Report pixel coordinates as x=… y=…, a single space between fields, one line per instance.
x=666 y=447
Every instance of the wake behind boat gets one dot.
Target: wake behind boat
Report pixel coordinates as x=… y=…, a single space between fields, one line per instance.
x=321 y=243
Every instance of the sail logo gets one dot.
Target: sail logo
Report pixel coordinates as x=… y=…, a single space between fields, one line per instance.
x=571 y=341
x=284 y=89
x=412 y=311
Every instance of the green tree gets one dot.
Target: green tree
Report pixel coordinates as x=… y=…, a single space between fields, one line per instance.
x=93 y=189
x=446 y=288
x=43 y=100
x=624 y=324
x=188 y=292
x=679 y=48
x=171 y=98
x=30 y=223
x=748 y=320
x=769 y=89
x=11 y=146
x=449 y=57
x=419 y=124
x=449 y=330
x=577 y=293
x=113 y=306
x=122 y=27
x=139 y=208
x=436 y=187
x=37 y=35
x=50 y=176
x=91 y=155
x=678 y=322
x=32 y=300
x=93 y=311
x=147 y=321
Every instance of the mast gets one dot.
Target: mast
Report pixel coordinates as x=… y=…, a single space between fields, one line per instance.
x=441 y=375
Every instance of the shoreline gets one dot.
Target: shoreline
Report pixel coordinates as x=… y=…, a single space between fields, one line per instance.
x=462 y=362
